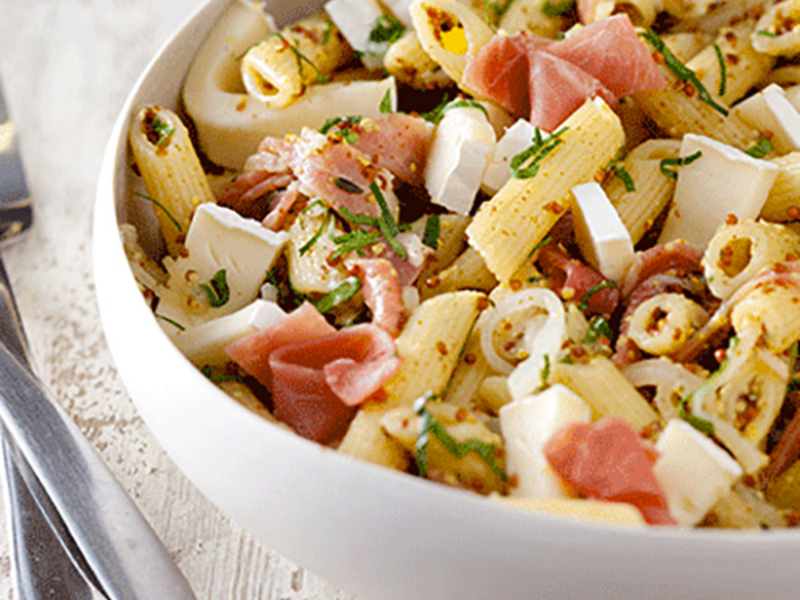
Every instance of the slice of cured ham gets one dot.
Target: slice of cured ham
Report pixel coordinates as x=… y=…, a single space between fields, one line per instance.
x=317 y=375
x=546 y=81
x=382 y=293
x=607 y=460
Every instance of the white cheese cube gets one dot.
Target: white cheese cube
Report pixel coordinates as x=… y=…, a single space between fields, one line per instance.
x=527 y=425
x=517 y=138
x=723 y=181
x=600 y=233
x=460 y=151
x=205 y=344
x=693 y=471
x=219 y=238
x=356 y=19
x=771 y=110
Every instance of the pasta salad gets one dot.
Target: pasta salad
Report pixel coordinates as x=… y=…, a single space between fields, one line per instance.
x=546 y=252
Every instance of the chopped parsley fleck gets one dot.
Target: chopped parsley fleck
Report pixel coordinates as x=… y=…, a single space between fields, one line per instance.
x=432 y=231
x=386 y=103
x=341 y=294
x=761 y=149
x=766 y=33
x=387 y=29
x=723 y=71
x=429 y=426
x=347 y=122
x=301 y=58
x=598 y=328
x=163 y=131
x=545 y=374
x=495 y=11
x=326 y=34
x=217 y=289
x=535 y=153
x=347 y=186
x=388 y=226
x=557 y=9
x=542 y=244
x=584 y=305
x=681 y=71
x=219 y=375
x=162 y=207
x=677 y=162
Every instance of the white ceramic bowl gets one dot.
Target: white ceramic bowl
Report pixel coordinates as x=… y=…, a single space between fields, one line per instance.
x=375 y=532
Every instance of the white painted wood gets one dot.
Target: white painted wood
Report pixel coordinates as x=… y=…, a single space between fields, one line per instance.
x=67 y=66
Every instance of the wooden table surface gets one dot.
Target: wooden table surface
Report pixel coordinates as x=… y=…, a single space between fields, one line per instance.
x=67 y=66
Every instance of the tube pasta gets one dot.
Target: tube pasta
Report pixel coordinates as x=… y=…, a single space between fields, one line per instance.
x=605 y=390
x=663 y=323
x=450 y=32
x=171 y=171
x=780 y=25
x=641 y=12
x=640 y=208
x=429 y=351
x=408 y=63
x=774 y=311
x=685 y=46
x=468 y=271
x=783 y=201
x=738 y=252
x=509 y=226
x=278 y=69
x=744 y=66
x=229 y=124
x=366 y=440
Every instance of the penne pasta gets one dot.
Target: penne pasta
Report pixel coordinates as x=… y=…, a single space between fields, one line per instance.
x=408 y=63
x=510 y=225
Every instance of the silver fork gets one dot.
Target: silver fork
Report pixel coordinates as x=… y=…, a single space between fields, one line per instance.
x=109 y=543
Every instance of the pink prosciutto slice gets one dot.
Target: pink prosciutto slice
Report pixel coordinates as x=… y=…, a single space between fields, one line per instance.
x=611 y=51
x=281 y=206
x=382 y=293
x=607 y=460
x=546 y=81
x=574 y=280
x=252 y=352
x=318 y=384
x=396 y=142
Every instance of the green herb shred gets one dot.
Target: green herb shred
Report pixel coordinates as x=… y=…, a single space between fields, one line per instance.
x=356 y=240
x=542 y=244
x=315 y=238
x=386 y=29
x=347 y=186
x=535 y=153
x=301 y=58
x=171 y=322
x=598 y=328
x=495 y=11
x=620 y=172
x=217 y=289
x=432 y=232
x=334 y=121
x=681 y=71
x=437 y=114
x=677 y=162
x=723 y=70
x=164 y=131
x=219 y=375
x=385 y=106
x=162 y=207
x=545 y=374
x=702 y=425
x=388 y=226
x=761 y=149
x=429 y=426
x=766 y=33
x=341 y=294
x=584 y=305
x=557 y=9
x=326 y=34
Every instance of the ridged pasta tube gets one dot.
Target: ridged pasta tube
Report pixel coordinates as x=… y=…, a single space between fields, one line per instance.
x=529 y=16
x=451 y=33
x=773 y=310
x=175 y=181
x=277 y=70
x=783 y=201
x=509 y=226
x=737 y=252
x=672 y=383
x=663 y=323
x=781 y=26
x=408 y=63
x=653 y=192
x=606 y=390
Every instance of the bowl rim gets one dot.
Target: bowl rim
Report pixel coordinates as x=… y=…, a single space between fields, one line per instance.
x=665 y=537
